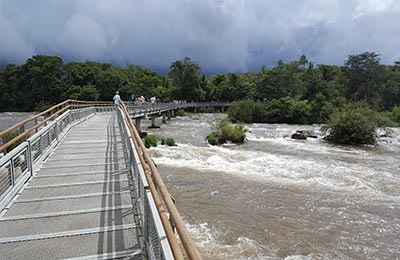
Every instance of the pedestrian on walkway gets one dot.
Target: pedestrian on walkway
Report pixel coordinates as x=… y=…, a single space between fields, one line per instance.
x=116 y=99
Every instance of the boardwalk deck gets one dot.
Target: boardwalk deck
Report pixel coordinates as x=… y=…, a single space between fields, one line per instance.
x=79 y=204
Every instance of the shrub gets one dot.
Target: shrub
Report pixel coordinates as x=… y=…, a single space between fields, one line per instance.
x=212 y=139
x=227 y=132
x=283 y=110
x=170 y=141
x=395 y=115
x=353 y=125
x=150 y=141
x=242 y=111
x=321 y=109
x=288 y=110
x=180 y=112
x=162 y=141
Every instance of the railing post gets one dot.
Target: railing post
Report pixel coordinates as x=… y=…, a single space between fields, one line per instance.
x=57 y=131
x=12 y=169
x=30 y=157
x=147 y=216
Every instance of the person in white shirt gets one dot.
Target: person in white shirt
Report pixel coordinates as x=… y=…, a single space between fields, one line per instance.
x=116 y=99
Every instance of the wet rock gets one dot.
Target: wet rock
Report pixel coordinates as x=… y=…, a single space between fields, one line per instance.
x=299 y=135
x=302 y=135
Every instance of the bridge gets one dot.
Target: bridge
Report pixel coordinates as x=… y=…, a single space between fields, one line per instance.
x=76 y=182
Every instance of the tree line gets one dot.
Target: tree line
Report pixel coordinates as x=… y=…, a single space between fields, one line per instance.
x=312 y=92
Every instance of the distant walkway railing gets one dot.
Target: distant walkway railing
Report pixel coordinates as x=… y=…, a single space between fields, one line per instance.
x=139 y=110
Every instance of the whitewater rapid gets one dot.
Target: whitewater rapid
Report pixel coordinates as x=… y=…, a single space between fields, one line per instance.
x=278 y=198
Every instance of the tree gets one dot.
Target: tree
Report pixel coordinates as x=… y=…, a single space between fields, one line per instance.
x=186 y=78
x=282 y=81
x=9 y=88
x=365 y=76
x=41 y=80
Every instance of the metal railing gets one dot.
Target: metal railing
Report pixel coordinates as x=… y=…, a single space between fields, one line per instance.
x=27 y=127
x=148 y=181
x=148 y=108
x=19 y=164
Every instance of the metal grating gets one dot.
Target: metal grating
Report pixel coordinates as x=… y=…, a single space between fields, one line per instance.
x=74 y=190
x=72 y=246
x=79 y=203
x=77 y=178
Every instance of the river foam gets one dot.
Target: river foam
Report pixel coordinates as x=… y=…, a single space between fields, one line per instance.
x=316 y=169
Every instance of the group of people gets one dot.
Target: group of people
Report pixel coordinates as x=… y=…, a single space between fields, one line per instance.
x=134 y=100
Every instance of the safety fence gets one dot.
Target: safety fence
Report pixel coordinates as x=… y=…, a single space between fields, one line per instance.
x=19 y=164
x=154 y=204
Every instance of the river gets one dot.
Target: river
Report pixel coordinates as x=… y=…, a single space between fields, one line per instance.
x=278 y=198
x=8 y=119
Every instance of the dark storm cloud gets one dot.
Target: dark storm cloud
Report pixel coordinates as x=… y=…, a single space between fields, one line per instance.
x=221 y=35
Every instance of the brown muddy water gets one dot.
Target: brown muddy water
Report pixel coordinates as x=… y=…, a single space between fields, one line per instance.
x=278 y=198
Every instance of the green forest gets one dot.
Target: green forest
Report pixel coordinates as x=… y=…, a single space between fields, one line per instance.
x=295 y=92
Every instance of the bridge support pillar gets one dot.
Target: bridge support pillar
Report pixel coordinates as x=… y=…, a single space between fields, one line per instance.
x=169 y=114
x=138 y=125
x=153 y=122
x=164 y=119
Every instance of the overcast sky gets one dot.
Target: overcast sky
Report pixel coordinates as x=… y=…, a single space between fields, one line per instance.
x=221 y=35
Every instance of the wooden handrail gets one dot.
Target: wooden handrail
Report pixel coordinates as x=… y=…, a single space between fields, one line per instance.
x=24 y=122
x=54 y=111
x=26 y=132
x=190 y=248
x=176 y=251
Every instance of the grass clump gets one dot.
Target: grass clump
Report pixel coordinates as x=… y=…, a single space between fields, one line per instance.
x=150 y=141
x=170 y=142
x=213 y=139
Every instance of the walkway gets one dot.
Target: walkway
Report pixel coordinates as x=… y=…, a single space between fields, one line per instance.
x=78 y=204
